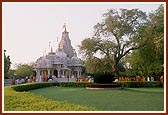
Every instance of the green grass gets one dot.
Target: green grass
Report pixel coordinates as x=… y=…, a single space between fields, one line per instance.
x=128 y=99
x=27 y=101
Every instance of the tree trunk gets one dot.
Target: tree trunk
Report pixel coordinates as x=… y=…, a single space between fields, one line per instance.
x=115 y=70
x=114 y=67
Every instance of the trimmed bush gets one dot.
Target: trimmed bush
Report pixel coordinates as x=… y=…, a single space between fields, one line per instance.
x=128 y=84
x=26 y=101
x=31 y=86
x=137 y=84
x=104 y=77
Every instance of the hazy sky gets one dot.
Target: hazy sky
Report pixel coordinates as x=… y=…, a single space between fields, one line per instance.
x=29 y=27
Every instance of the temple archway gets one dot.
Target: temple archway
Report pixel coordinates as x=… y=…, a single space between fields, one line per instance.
x=34 y=73
x=56 y=73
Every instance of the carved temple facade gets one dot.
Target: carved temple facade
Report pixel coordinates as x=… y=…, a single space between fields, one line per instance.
x=62 y=63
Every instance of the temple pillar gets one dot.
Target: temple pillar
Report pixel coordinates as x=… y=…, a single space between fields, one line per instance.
x=42 y=73
x=78 y=74
x=58 y=70
x=52 y=73
x=38 y=75
x=66 y=73
x=62 y=73
x=48 y=70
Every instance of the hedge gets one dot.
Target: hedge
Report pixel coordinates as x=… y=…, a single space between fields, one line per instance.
x=26 y=101
x=128 y=84
x=138 y=84
x=31 y=86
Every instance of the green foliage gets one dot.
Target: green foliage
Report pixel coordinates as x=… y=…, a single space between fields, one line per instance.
x=26 y=101
x=149 y=60
x=11 y=73
x=32 y=86
x=104 y=77
x=114 y=37
x=95 y=65
x=7 y=64
x=136 y=84
x=89 y=47
x=24 y=70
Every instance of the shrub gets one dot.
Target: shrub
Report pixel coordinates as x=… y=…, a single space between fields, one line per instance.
x=104 y=77
x=26 y=101
x=31 y=86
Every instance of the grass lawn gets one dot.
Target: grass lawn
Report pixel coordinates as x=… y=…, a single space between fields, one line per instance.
x=128 y=99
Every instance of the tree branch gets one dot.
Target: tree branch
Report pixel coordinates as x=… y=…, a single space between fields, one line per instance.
x=133 y=48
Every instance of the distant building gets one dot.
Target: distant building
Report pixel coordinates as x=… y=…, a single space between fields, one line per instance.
x=61 y=63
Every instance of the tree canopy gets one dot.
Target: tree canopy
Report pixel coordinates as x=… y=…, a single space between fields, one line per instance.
x=149 y=60
x=127 y=37
x=24 y=70
x=115 y=36
x=7 y=64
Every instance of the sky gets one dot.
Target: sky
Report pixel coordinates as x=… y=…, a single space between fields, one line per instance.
x=27 y=28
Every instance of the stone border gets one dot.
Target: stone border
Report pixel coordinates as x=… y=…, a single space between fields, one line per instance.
x=91 y=88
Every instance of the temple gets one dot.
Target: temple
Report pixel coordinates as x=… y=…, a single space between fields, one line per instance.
x=63 y=63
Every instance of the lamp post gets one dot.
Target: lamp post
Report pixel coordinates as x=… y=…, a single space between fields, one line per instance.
x=14 y=78
x=15 y=75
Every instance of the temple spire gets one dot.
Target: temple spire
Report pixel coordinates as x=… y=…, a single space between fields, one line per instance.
x=75 y=54
x=49 y=46
x=65 y=43
x=64 y=27
x=51 y=49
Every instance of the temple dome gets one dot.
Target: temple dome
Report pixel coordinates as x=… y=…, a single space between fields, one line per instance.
x=43 y=62
x=61 y=54
x=75 y=61
x=57 y=60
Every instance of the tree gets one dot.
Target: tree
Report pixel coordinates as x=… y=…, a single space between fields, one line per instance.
x=24 y=70
x=96 y=65
x=149 y=60
x=115 y=36
x=11 y=73
x=7 y=64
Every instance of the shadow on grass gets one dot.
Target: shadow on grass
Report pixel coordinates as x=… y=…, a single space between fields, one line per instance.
x=144 y=90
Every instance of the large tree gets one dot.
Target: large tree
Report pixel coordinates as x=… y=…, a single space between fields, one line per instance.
x=115 y=36
x=23 y=70
x=149 y=60
x=7 y=64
